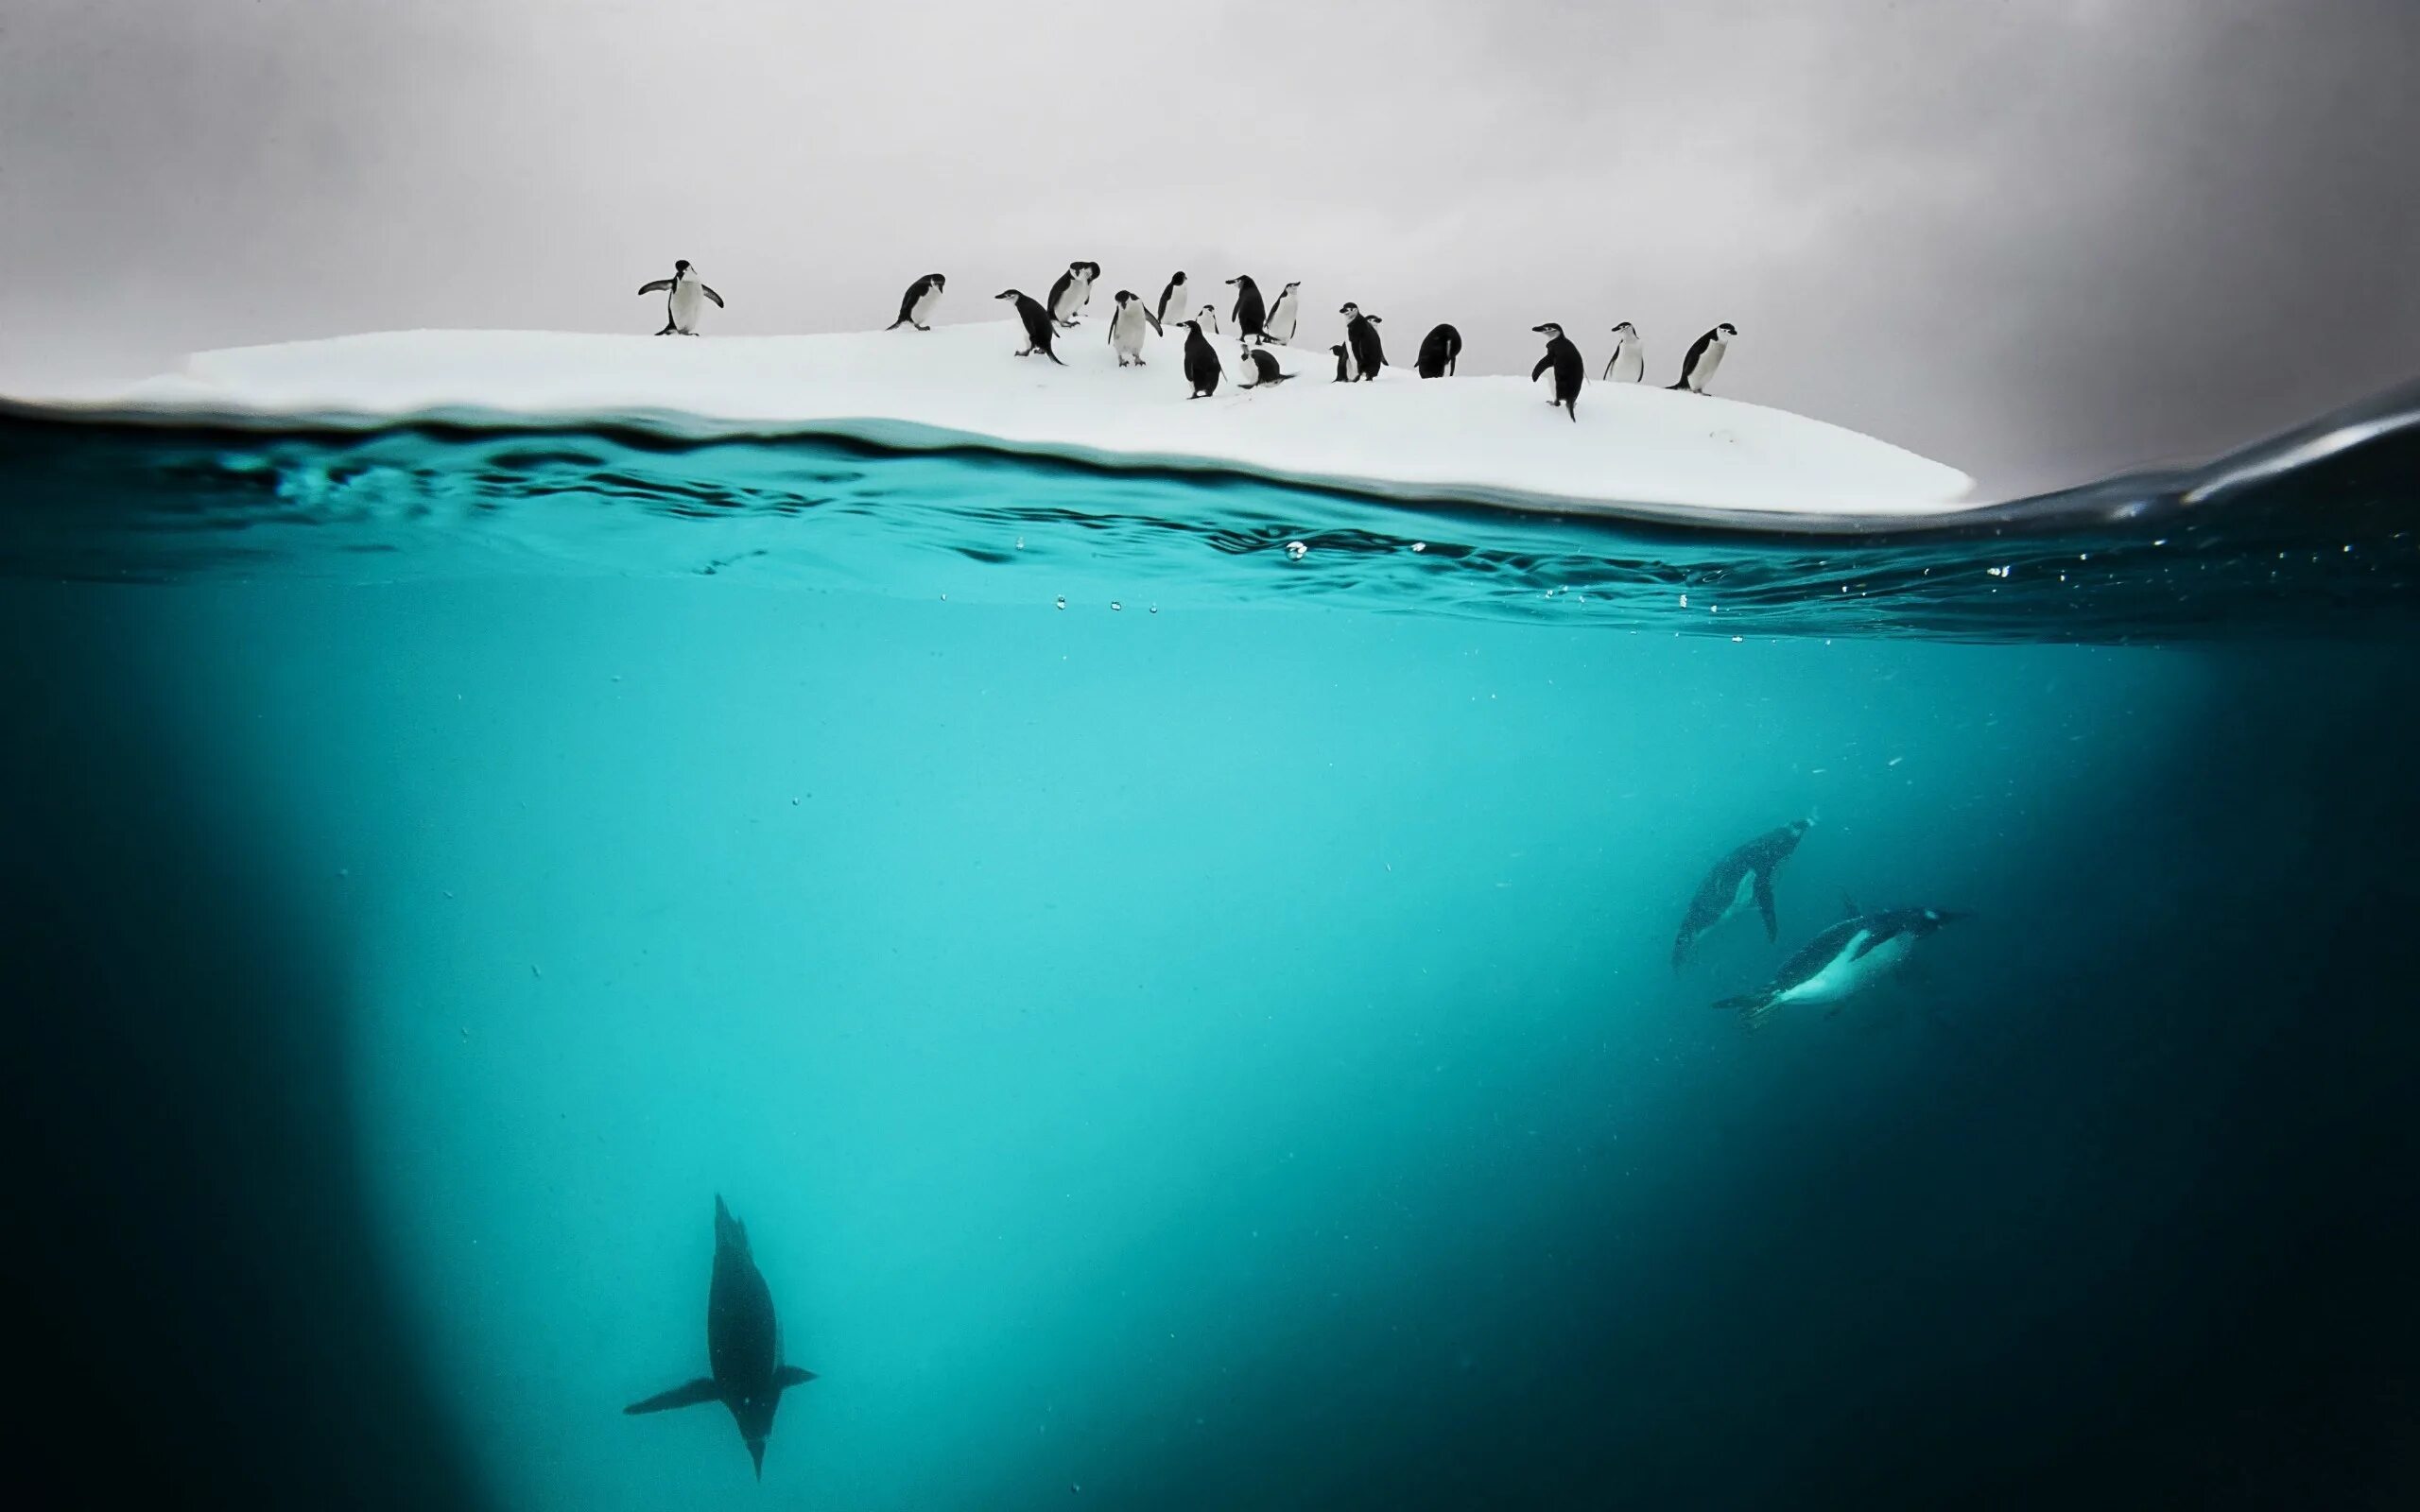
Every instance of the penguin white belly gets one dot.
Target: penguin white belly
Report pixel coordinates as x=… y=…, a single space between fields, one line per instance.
x=1280 y=326
x=1173 y=305
x=1126 y=333
x=1707 y=363
x=1850 y=973
x=687 y=302
x=920 y=312
x=1630 y=364
x=1740 y=897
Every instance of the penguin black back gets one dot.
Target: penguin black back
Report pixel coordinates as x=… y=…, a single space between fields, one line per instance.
x=1201 y=367
x=1569 y=368
x=1037 y=323
x=1344 y=357
x=1252 y=315
x=1264 y=369
x=1438 y=350
x=1361 y=335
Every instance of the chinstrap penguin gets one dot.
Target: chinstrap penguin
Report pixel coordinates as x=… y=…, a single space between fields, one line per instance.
x=1201 y=367
x=743 y=1345
x=1035 y=319
x=1706 y=355
x=1438 y=351
x=1845 y=960
x=1746 y=874
x=1260 y=370
x=1073 y=291
x=1343 y=362
x=1361 y=340
x=916 y=305
x=1252 y=315
x=686 y=298
x=1171 y=306
x=1627 y=363
x=1284 y=315
x=1127 y=323
x=1208 y=317
x=1563 y=360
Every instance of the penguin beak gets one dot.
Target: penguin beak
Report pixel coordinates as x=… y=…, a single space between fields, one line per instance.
x=1541 y=330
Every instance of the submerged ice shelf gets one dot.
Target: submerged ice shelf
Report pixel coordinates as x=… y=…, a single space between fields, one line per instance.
x=1486 y=439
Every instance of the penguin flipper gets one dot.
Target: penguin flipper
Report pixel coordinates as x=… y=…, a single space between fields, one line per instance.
x=712 y=295
x=656 y=287
x=790 y=1375
x=1539 y=371
x=1765 y=906
x=694 y=1394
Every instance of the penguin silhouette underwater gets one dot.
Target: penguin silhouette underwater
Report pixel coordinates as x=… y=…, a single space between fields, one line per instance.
x=743 y=1345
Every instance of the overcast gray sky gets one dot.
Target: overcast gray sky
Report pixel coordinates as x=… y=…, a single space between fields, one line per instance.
x=2038 y=239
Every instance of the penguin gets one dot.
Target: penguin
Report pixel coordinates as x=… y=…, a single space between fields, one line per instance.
x=918 y=301
x=1845 y=960
x=1073 y=291
x=1746 y=872
x=1209 y=317
x=1438 y=351
x=1697 y=369
x=1172 y=300
x=1343 y=362
x=743 y=1345
x=1279 y=327
x=1261 y=369
x=1251 y=316
x=1627 y=363
x=1126 y=323
x=1036 y=321
x=1361 y=335
x=681 y=305
x=1569 y=369
x=1201 y=367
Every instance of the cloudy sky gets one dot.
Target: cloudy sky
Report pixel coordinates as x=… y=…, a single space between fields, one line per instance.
x=2039 y=239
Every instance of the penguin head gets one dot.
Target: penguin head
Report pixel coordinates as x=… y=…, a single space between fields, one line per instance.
x=1291 y=288
x=1550 y=330
x=940 y=282
x=1124 y=297
x=1091 y=269
x=1349 y=309
x=1625 y=329
x=680 y=265
x=1194 y=326
x=1008 y=294
x=1728 y=329
x=1935 y=918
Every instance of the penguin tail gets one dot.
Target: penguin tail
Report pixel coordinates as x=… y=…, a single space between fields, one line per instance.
x=1682 y=383
x=1052 y=356
x=896 y=324
x=1571 y=408
x=1751 y=1008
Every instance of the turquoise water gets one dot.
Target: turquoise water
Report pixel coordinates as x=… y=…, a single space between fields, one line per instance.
x=1190 y=1023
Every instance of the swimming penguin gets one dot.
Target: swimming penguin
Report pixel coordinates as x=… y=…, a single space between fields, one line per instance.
x=1201 y=367
x=1343 y=362
x=1438 y=351
x=681 y=306
x=1171 y=306
x=743 y=1345
x=1036 y=321
x=1697 y=369
x=1569 y=370
x=1362 y=337
x=1251 y=316
x=1627 y=363
x=1842 y=961
x=1279 y=327
x=918 y=301
x=1073 y=291
x=1261 y=369
x=1209 y=317
x=1746 y=872
x=1126 y=326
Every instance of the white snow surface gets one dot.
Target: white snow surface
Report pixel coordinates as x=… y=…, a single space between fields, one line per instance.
x=1487 y=439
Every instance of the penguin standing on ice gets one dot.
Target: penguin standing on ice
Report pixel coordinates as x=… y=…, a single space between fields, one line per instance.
x=1362 y=341
x=1036 y=321
x=1343 y=362
x=916 y=305
x=743 y=1345
x=1126 y=326
x=1251 y=314
x=1438 y=351
x=1201 y=367
x=1208 y=315
x=1282 y=315
x=1563 y=359
x=1841 y=962
x=1261 y=369
x=1706 y=355
x=1073 y=291
x=686 y=298
x=1745 y=874
x=1627 y=363
x=1172 y=300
